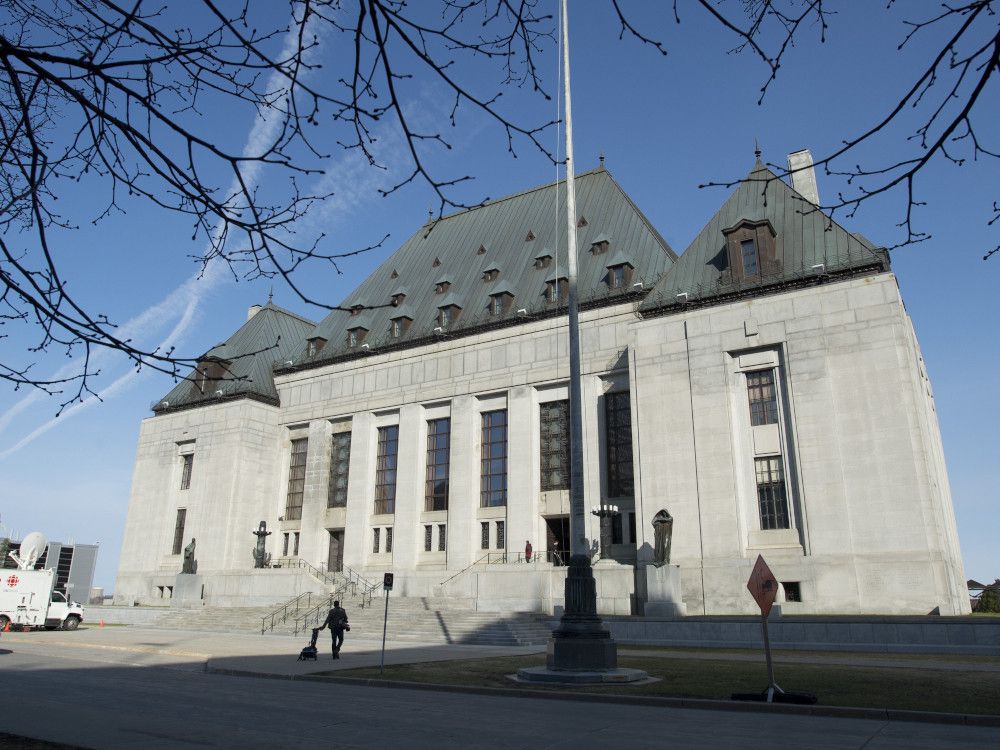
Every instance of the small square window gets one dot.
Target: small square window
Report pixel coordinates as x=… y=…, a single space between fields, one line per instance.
x=793 y=591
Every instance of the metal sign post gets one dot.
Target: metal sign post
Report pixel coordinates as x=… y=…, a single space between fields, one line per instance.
x=387 y=585
x=763 y=586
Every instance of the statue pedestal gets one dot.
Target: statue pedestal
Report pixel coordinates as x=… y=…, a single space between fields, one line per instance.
x=188 y=590
x=660 y=591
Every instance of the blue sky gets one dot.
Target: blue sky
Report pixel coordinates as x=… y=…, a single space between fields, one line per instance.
x=666 y=125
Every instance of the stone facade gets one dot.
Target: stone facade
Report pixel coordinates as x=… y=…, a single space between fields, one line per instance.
x=838 y=480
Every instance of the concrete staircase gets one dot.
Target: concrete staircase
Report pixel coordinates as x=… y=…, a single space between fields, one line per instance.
x=410 y=620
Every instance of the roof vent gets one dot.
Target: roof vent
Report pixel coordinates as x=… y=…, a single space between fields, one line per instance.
x=530 y=236
x=436 y=263
x=582 y=222
x=800 y=167
x=394 y=274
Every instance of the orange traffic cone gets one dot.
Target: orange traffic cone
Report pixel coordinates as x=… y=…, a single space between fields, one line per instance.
x=102 y=623
x=6 y=626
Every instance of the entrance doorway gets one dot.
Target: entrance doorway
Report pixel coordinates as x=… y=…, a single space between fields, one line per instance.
x=557 y=539
x=335 y=556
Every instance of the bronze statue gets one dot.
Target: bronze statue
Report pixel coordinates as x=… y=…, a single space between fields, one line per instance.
x=190 y=564
x=261 y=559
x=663 y=531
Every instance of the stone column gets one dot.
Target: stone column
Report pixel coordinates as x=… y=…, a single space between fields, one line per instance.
x=360 y=489
x=522 y=463
x=463 y=496
x=410 y=470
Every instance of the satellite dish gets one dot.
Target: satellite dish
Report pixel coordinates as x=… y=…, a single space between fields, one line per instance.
x=31 y=549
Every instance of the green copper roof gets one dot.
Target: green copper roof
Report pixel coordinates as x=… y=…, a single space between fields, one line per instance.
x=502 y=227
x=271 y=336
x=808 y=246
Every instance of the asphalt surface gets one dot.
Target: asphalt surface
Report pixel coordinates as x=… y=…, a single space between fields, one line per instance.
x=139 y=689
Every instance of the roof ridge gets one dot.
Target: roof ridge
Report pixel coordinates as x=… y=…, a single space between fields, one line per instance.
x=283 y=311
x=544 y=186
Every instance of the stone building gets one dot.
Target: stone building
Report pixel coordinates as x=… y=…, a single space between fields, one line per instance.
x=765 y=387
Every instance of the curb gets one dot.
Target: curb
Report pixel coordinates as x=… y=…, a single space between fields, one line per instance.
x=704 y=704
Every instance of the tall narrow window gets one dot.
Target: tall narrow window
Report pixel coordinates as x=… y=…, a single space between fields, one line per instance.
x=616 y=277
x=179 y=531
x=428 y=538
x=442 y=537
x=388 y=539
x=376 y=536
x=501 y=535
x=763 y=398
x=618 y=443
x=554 y=438
x=396 y=327
x=340 y=460
x=438 y=451
x=484 y=535
x=750 y=265
x=296 y=480
x=186 y=467
x=493 y=476
x=385 y=470
x=295 y=544
x=284 y=546
x=771 y=493
x=616 y=529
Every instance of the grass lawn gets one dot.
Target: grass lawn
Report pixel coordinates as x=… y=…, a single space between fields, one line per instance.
x=834 y=685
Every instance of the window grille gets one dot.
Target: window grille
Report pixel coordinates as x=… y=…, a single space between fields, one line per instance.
x=763 y=397
x=179 y=531
x=618 y=443
x=484 y=528
x=501 y=536
x=442 y=537
x=188 y=465
x=428 y=541
x=496 y=305
x=296 y=480
x=376 y=537
x=554 y=439
x=284 y=546
x=771 y=493
x=340 y=461
x=493 y=476
x=385 y=469
x=388 y=539
x=750 y=265
x=438 y=468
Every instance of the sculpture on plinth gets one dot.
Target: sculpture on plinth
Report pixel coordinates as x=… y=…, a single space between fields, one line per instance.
x=663 y=531
x=261 y=559
x=190 y=564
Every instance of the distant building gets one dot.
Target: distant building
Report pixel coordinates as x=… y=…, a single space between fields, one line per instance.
x=766 y=388
x=74 y=565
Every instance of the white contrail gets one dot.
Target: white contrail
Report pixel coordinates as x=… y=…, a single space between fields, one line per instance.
x=189 y=294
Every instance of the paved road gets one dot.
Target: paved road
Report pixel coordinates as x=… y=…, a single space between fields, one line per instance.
x=108 y=698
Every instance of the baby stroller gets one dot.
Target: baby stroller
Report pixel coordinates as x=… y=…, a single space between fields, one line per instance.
x=309 y=652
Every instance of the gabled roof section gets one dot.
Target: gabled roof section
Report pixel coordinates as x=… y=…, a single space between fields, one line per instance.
x=272 y=335
x=809 y=248
x=501 y=226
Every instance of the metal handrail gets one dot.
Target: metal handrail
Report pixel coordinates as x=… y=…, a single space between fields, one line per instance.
x=342 y=581
x=280 y=615
x=467 y=567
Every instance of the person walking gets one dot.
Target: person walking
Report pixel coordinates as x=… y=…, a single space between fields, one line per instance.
x=337 y=622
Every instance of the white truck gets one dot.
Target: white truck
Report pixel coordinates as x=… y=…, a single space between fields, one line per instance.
x=27 y=599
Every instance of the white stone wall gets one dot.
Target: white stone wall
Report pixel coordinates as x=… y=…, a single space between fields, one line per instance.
x=873 y=528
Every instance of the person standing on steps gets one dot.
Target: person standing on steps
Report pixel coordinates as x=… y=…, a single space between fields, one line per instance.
x=527 y=551
x=337 y=622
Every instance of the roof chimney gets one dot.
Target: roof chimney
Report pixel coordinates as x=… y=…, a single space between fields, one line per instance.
x=254 y=309
x=800 y=166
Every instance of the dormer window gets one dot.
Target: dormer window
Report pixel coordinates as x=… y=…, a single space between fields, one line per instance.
x=751 y=265
x=557 y=290
x=751 y=251
x=314 y=346
x=399 y=326
x=616 y=277
x=448 y=314
x=543 y=261
x=600 y=244
x=491 y=274
x=356 y=309
x=397 y=299
x=500 y=303
x=209 y=372
x=355 y=336
x=441 y=287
